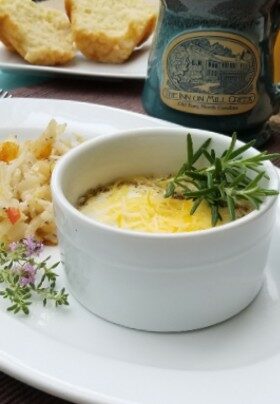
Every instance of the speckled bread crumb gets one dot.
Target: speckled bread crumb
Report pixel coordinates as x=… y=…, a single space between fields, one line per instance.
x=108 y=31
x=41 y=36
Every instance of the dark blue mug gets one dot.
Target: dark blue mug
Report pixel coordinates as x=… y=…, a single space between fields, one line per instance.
x=211 y=65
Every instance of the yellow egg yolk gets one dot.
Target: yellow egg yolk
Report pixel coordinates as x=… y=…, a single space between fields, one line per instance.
x=139 y=204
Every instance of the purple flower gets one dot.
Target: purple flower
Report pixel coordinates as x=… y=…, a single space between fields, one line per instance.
x=13 y=246
x=28 y=273
x=32 y=246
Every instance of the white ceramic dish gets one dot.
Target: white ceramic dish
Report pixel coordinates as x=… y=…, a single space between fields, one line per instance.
x=156 y=282
x=134 y=68
x=80 y=357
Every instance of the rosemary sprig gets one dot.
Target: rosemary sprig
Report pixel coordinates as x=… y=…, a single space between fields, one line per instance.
x=224 y=182
x=24 y=275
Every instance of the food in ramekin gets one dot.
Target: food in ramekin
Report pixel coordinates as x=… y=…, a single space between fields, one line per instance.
x=198 y=197
x=157 y=281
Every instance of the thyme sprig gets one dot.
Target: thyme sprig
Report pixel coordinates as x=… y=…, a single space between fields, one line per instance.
x=24 y=275
x=225 y=181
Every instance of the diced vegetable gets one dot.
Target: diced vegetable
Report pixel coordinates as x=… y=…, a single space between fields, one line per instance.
x=8 y=151
x=13 y=214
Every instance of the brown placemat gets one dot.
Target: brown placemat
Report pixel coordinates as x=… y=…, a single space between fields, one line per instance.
x=14 y=392
x=120 y=94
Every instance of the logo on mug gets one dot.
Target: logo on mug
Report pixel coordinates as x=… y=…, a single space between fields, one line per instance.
x=210 y=73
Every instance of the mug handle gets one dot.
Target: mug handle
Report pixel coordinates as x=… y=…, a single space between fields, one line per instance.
x=276 y=87
x=276 y=54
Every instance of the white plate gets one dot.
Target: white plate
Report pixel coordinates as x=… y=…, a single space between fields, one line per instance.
x=134 y=68
x=78 y=356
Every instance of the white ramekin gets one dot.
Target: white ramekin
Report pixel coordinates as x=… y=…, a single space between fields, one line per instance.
x=156 y=282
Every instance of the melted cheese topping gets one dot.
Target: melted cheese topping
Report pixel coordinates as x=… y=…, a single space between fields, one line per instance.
x=139 y=205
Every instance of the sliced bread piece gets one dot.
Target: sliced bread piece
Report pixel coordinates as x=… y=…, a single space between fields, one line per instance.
x=109 y=30
x=41 y=36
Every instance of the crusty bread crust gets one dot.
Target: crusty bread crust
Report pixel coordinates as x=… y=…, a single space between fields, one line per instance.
x=110 y=45
x=5 y=41
x=44 y=38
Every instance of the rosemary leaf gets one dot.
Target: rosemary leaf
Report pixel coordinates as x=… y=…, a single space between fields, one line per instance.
x=231 y=207
x=189 y=151
x=226 y=181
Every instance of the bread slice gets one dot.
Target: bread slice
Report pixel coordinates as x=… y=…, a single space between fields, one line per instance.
x=5 y=41
x=41 y=36
x=109 y=30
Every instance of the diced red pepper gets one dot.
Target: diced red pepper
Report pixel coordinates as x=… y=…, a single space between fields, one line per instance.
x=13 y=214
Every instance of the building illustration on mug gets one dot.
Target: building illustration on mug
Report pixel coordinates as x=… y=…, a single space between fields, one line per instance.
x=217 y=65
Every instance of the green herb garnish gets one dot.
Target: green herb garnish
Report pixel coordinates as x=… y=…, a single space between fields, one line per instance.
x=24 y=274
x=224 y=182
